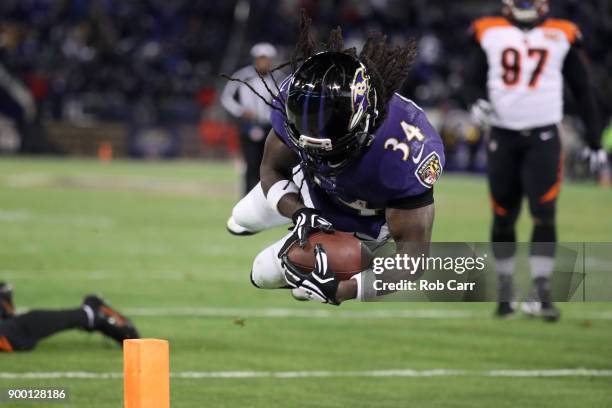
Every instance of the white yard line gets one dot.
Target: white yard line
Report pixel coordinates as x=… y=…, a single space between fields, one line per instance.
x=70 y=220
x=332 y=313
x=577 y=372
x=325 y=314
x=318 y=313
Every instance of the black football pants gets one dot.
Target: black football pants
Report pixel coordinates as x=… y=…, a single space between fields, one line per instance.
x=252 y=153
x=23 y=332
x=524 y=164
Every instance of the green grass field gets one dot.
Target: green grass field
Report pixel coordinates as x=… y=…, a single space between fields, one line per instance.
x=151 y=238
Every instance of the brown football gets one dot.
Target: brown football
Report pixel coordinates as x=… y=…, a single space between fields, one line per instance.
x=346 y=254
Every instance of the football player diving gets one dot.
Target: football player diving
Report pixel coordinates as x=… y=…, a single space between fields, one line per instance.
x=346 y=152
x=518 y=68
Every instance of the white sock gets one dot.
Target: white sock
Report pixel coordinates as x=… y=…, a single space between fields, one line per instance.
x=541 y=266
x=90 y=316
x=505 y=266
x=357 y=279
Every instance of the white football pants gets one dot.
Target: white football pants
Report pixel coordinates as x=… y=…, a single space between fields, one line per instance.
x=254 y=214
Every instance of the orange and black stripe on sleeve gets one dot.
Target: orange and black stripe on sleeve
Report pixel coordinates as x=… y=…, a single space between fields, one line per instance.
x=480 y=26
x=5 y=345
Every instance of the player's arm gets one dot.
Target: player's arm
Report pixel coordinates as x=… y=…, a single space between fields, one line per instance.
x=275 y=172
x=411 y=230
x=410 y=225
x=475 y=81
x=577 y=74
x=281 y=193
x=476 y=73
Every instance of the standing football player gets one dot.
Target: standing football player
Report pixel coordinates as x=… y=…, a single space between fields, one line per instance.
x=251 y=112
x=346 y=152
x=520 y=63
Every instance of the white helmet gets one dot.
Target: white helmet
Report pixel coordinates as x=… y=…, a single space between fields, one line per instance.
x=525 y=11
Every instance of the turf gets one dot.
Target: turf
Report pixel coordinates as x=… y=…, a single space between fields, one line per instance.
x=152 y=236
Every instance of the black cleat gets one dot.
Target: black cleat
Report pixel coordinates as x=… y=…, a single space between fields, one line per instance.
x=110 y=322
x=7 y=308
x=550 y=313
x=535 y=306
x=504 y=310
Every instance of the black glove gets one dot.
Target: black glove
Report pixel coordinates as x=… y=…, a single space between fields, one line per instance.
x=321 y=285
x=306 y=221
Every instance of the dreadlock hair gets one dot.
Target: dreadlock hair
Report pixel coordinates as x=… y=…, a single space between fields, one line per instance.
x=387 y=65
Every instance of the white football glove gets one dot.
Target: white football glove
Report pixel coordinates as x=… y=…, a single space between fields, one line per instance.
x=597 y=159
x=321 y=285
x=481 y=112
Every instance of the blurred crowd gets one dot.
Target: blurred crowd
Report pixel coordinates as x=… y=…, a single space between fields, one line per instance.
x=128 y=59
x=99 y=57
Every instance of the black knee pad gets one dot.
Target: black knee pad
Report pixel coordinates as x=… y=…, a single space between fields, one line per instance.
x=544 y=230
x=543 y=212
x=508 y=219
x=503 y=234
x=503 y=227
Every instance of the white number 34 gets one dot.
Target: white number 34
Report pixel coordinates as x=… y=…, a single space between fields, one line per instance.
x=411 y=132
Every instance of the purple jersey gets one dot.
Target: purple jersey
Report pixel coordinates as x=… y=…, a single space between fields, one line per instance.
x=404 y=160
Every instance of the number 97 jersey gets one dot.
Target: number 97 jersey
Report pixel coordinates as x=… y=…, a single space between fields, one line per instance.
x=525 y=70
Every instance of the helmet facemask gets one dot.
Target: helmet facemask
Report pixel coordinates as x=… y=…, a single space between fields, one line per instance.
x=325 y=157
x=526 y=11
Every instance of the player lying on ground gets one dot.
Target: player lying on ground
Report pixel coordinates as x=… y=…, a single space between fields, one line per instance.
x=346 y=152
x=519 y=65
x=23 y=332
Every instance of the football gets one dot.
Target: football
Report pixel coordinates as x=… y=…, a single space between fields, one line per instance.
x=347 y=255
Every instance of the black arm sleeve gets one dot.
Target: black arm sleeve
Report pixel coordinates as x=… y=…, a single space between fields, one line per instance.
x=476 y=74
x=578 y=77
x=414 y=202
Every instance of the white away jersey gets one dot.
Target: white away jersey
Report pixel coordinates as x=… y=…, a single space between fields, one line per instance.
x=525 y=78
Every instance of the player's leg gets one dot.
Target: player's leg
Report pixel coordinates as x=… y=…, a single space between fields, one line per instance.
x=504 y=153
x=542 y=174
x=253 y=214
x=267 y=270
x=252 y=140
x=23 y=332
